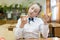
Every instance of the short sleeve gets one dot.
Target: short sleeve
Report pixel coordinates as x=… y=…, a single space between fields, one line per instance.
x=18 y=23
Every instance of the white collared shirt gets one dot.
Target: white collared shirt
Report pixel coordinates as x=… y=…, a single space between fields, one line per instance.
x=32 y=29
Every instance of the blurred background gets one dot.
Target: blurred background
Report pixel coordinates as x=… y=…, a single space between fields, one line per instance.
x=11 y=10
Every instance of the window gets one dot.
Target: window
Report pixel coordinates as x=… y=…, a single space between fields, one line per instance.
x=54 y=9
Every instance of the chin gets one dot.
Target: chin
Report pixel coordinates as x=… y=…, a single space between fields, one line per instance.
x=31 y=16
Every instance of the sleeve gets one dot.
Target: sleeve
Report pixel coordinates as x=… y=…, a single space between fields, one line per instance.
x=18 y=32
x=44 y=29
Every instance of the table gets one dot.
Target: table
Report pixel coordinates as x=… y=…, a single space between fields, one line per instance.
x=42 y=39
x=54 y=26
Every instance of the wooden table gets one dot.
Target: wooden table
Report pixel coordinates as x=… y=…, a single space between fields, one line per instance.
x=42 y=39
x=55 y=29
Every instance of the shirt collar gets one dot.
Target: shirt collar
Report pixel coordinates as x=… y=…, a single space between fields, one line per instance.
x=33 y=18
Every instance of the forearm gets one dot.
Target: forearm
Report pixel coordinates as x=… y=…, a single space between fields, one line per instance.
x=45 y=35
x=18 y=32
x=45 y=31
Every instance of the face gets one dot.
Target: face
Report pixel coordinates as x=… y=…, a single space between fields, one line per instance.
x=34 y=10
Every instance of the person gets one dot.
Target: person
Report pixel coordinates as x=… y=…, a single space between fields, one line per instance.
x=31 y=26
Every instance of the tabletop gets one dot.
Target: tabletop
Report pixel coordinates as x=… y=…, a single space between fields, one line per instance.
x=55 y=38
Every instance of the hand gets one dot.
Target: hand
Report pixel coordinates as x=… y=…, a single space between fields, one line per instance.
x=46 y=19
x=23 y=21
